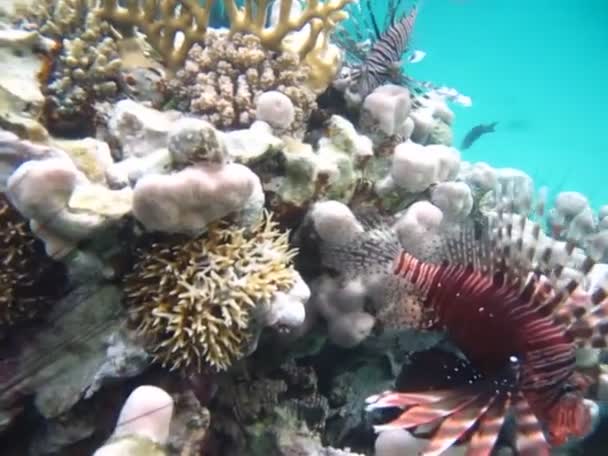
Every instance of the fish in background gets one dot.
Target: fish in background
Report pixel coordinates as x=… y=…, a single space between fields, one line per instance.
x=476 y=132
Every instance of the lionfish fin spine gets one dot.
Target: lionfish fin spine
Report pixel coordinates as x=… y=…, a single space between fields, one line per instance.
x=429 y=413
x=456 y=425
x=402 y=400
x=370 y=252
x=485 y=437
x=419 y=273
x=530 y=437
x=590 y=326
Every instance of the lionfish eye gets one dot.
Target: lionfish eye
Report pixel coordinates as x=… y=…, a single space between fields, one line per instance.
x=568 y=388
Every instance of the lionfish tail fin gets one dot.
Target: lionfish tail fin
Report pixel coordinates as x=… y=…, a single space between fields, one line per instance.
x=569 y=417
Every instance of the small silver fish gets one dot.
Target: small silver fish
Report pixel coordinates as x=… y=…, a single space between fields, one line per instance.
x=416 y=56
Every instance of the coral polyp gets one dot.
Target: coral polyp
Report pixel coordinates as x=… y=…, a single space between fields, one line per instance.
x=194 y=300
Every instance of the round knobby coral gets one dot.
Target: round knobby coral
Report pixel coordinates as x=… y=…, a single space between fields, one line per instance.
x=222 y=80
x=22 y=265
x=193 y=300
x=85 y=67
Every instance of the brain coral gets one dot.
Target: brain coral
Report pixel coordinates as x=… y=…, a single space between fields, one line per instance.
x=193 y=301
x=222 y=79
x=21 y=295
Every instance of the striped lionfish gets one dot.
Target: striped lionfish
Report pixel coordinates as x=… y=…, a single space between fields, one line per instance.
x=507 y=305
x=382 y=62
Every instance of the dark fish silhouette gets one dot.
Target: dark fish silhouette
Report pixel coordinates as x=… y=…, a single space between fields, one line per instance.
x=476 y=132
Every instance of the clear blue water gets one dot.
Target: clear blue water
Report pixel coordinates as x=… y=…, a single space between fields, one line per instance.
x=540 y=68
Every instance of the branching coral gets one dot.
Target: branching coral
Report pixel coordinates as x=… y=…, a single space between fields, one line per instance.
x=173 y=27
x=222 y=80
x=20 y=262
x=87 y=66
x=194 y=300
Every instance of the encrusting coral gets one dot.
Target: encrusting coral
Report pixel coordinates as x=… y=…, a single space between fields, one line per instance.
x=20 y=261
x=223 y=79
x=194 y=301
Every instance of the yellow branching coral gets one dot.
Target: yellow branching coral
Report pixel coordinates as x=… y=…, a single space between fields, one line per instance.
x=173 y=27
x=319 y=15
x=193 y=300
x=20 y=263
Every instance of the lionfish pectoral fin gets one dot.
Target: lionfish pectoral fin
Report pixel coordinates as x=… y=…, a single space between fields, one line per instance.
x=428 y=413
x=530 y=437
x=370 y=252
x=485 y=437
x=403 y=400
x=457 y=424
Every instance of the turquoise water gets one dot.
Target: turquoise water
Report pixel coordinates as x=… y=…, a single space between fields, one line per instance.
x=540 y=68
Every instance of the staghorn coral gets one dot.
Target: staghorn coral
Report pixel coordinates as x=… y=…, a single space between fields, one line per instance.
x=21 y=260
x=87 y=65
x=222 y=80
x=194 y=300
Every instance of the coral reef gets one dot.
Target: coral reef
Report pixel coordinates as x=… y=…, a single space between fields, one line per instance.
x=293 y=173
x=196 y=300
x=189 y=200
x=190 y=20
x=23 y=266
x=63 y=206
x=143 y=424
x=223 y=77
x=88 y=319
x=85 y=67
x=22 y=55
x=385 y=115
x=212 y=197
x=432 y=119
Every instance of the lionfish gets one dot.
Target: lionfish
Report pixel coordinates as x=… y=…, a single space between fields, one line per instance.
x=506 y=303
x=382 y=62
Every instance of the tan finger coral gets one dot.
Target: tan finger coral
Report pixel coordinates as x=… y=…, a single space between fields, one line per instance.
x=222 y=80
x=193 y=300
